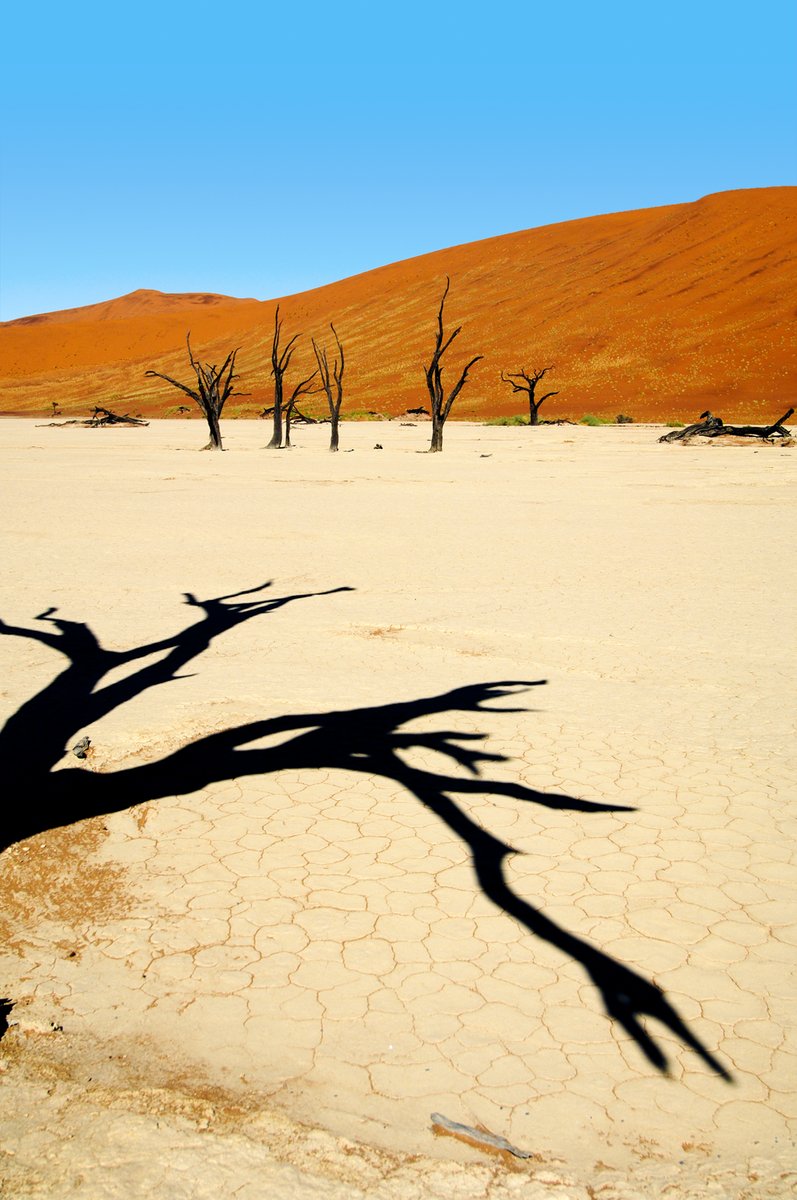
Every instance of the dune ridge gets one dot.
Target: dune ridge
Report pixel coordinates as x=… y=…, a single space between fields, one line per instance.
x=657 y=313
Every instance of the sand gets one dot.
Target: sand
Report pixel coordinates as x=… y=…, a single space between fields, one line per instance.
x=265 y=979
x=658 y=314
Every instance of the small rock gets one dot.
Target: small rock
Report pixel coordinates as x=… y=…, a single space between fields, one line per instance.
x=81 y=748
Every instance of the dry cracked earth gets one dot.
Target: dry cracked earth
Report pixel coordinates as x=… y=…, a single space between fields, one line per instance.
x=267 y=984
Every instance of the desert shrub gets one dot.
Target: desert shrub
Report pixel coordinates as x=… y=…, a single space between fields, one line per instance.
x=622 y=419
x=589 y=419
x=674 y=424
x=361 y=414
x=517 y=419
x=177 y=410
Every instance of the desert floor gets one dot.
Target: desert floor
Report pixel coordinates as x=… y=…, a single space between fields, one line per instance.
x=290 y=945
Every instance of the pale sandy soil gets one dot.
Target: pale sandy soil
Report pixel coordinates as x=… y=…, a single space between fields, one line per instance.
x=264 y=980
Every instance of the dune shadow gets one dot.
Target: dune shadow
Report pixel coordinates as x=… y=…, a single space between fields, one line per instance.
x=372 y=741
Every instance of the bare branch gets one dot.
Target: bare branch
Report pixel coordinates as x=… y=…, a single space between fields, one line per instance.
x=287 y=353
x=303 y=388
x=440 y=318
x=510 y=379
x=175 y=383
x=458 y=387
x=340 y=347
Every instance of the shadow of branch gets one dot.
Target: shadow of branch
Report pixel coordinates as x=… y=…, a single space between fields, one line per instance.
x=372 y=741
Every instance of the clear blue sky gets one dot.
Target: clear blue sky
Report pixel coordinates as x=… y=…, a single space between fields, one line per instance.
x=236 y=147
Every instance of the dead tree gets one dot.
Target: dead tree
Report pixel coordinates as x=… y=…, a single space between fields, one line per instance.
x=440 y=403
x=104 y=416
x=777 y=429
x=332 y=383
x=706 y=423
x=213 y=390
x=101 y=418
x=529 y=386
x=714 y=427
x=280 y=361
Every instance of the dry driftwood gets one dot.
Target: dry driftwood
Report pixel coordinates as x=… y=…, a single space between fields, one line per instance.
x=101 y=418
x=713 y=427
x=104 y=416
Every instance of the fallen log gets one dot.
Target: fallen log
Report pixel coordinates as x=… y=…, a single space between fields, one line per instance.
x=96 y=421
x=112 y=418
x=714 y=427
x=706 y=423
x=760 y=431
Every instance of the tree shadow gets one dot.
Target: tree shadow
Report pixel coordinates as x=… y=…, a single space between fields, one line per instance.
x=371 y=741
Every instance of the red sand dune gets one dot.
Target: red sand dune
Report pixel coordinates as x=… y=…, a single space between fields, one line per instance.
x=659 y=314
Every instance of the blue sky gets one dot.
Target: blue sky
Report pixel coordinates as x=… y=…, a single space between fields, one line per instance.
x=235 y=147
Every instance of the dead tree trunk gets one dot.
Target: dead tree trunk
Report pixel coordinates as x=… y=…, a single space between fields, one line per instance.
x=213 y=390
x=280 y=361
x=706 y=423
x=779 y=427
x=101 y=418
x=529 y=386
x=104 y=416
x=440 y=403
x=332 y=383
x=759 y=431
x=714 y=427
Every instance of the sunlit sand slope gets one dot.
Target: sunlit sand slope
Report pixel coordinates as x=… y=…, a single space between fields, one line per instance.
x=657 y=313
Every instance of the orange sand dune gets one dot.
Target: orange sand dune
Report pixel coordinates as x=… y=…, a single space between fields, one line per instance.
x=658 y=313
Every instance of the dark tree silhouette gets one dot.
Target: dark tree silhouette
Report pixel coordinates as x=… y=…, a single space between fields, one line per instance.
x=104 y=416
x=371 y=741
x=529 y=386
x=710 y=426
x=440 y=403
x=332 y=384
x=280 y=361
x=213 y=390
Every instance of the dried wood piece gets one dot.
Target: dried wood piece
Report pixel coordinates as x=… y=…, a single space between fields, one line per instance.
x=713 y=427
x=112 y=418
x=478 y=1137
x=706 y=423
x=101 y=418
